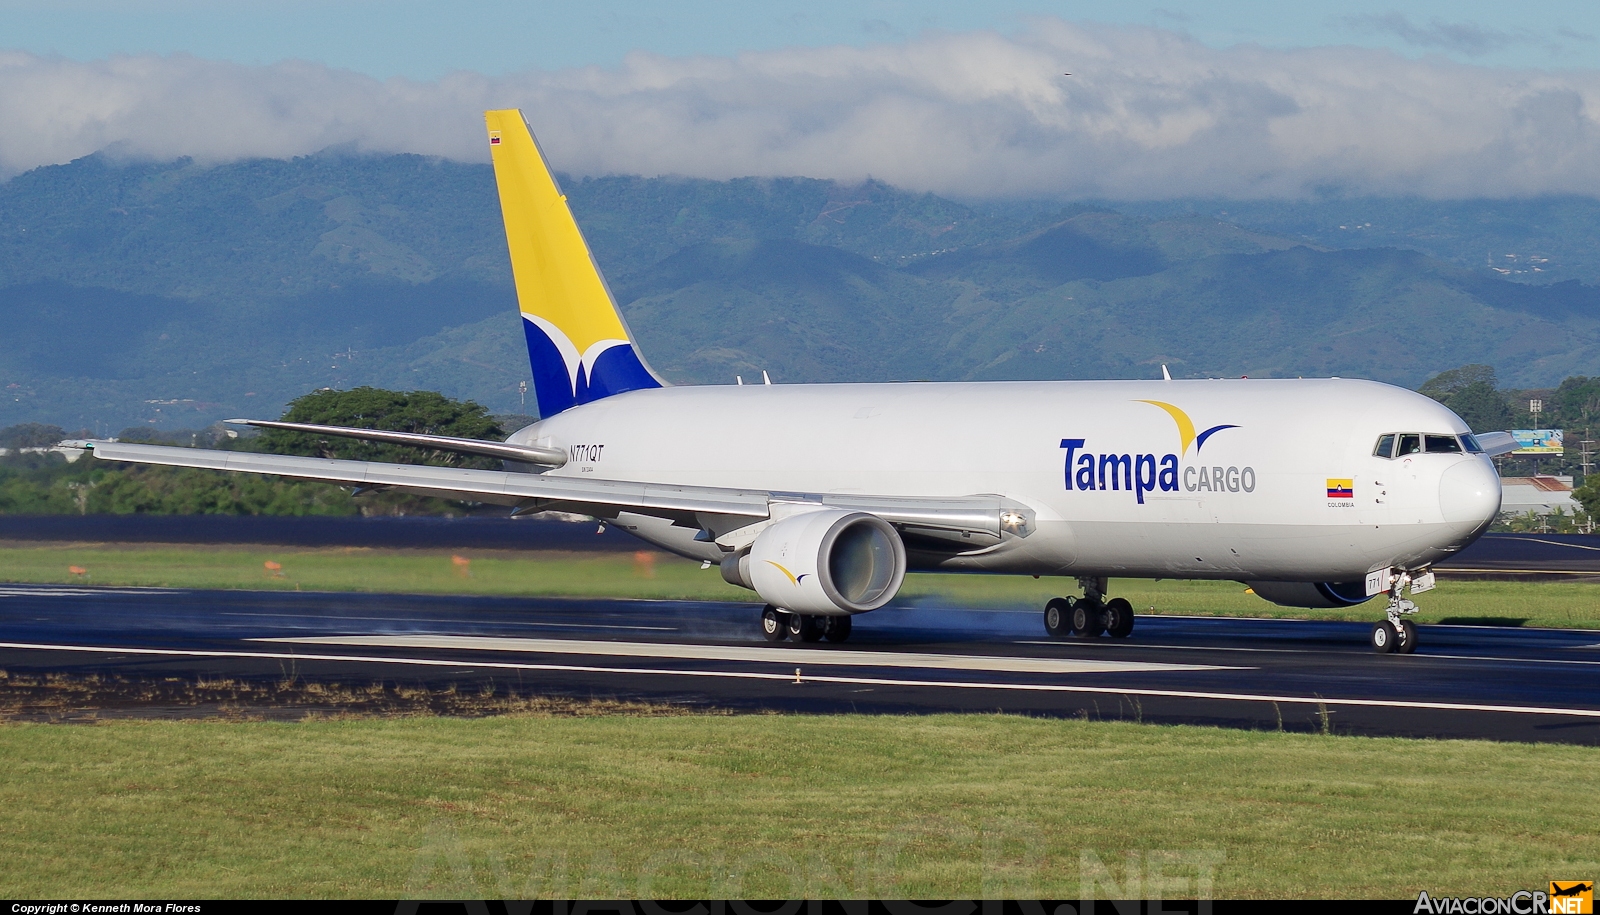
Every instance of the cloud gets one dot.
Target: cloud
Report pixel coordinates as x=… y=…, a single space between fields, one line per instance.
x=1461 y=37
x=1147 y=113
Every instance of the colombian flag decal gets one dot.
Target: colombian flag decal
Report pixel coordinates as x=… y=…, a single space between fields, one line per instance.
x=1341 y=489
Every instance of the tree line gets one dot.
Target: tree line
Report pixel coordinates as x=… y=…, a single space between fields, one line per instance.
x=34 y=482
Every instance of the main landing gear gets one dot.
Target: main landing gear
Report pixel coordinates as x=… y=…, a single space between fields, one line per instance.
x=778 y=624
x=1089 y=616
x=1396 y=634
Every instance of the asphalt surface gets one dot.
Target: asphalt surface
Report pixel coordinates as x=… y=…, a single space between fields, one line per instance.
x=1474 y=682
x=1492 y=556
x=1571 y=557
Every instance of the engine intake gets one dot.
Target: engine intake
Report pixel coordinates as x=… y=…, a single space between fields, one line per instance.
x=827 y=562
x=1320 y=595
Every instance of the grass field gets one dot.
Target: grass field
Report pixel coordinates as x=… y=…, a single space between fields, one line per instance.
x=662 y=576
x=622 y=801
x=778 y=806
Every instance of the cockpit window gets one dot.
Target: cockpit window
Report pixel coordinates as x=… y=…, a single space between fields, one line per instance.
x=1401 y=444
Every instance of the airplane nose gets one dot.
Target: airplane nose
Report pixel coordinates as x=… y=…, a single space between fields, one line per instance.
x=1469 y=493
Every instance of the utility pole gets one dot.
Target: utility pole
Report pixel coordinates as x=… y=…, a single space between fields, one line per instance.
x=1585 y=451
x=1535 y=407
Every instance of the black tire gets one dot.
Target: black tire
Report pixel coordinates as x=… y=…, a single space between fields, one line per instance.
x=1408 y=637
x=1119 y=618
x=836 y=628
x=1058 y=617
x=1087 y=619
x=1384 y=638
x=804 y=628
x=773 y=624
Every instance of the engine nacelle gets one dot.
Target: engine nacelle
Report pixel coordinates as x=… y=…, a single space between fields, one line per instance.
x=1320 y=595
x=827 y=562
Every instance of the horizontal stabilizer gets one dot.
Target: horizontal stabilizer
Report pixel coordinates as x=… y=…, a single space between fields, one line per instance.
x=527 y=454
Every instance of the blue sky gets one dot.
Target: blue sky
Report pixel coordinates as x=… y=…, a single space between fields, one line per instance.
x=424 y=39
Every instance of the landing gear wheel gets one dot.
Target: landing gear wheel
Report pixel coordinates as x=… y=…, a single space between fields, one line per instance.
x=773 y=625
x=1408 y=637
x=804 y=628
x=1118 y=618
x=1087 y=618
x=1058 y=617
x=1384 y=638
x=836 y=628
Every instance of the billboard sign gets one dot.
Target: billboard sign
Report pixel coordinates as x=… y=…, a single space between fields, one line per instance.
x=1537 y=441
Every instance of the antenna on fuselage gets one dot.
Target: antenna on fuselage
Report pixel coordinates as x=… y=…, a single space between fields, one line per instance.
x=1165 y=375
x=738 y=379
x=764 y=377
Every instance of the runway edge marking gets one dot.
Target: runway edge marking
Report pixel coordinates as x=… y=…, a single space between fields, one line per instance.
x=746 y=653
x=860 y=681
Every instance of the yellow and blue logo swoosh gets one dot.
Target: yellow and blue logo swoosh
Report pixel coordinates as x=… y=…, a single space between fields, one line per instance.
x=1186 y=434
x=793 y=578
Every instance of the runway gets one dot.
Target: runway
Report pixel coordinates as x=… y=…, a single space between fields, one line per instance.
x=1551 y=557
x=1472 y=682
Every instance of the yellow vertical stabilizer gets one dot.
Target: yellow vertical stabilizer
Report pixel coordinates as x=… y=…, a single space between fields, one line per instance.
x=578 y=344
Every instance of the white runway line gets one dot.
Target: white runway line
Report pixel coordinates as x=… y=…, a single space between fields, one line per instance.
x=1507 y=659
x=423 y=619
x=855 y=681
x=790 y=656
x=1111 y=646
x=68 y=592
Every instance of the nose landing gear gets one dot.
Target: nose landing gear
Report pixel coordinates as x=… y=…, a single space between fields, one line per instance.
x=1396 y=634
x=1088 y=616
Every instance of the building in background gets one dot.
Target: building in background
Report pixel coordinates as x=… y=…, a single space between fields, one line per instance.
x=1539 y=495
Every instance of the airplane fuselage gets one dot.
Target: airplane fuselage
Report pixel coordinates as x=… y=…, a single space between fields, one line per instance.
x=1271 y=479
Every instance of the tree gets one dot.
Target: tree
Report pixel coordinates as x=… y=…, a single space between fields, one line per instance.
x=31 y=435
x=1576 y=403
x=1481 y=407
x=1469 y=391
x=396 y=411
x=1588 y=495
x=1445 y=384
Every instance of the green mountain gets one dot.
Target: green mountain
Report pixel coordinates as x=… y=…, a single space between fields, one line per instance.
x=1547 y=239
x=177 y=294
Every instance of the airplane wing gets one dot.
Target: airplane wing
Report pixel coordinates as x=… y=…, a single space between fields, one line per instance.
x=973 y=521
x=1496 y=443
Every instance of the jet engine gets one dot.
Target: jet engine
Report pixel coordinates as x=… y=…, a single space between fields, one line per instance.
x=827 y=562
x=1320 y=595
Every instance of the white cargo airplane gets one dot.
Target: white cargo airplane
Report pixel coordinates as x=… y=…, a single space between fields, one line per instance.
x=820 y=497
